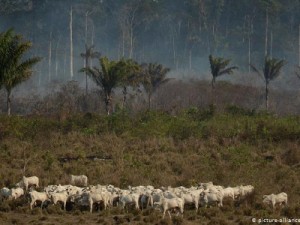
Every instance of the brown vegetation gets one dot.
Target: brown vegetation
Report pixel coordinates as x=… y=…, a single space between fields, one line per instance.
x=236 y=147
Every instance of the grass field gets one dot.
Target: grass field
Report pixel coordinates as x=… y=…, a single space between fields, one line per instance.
x=154 y=148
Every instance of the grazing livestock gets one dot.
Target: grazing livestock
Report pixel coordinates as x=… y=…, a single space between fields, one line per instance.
x=210 y=198
x=74 y=190
x=28 y=181
x=166 y=205
x=129 y=199
x=16 y=193
x=168 y=199
x=80 y=180
x=59 y=197
x=38 y=196
x=97 y=198
x=274 y=199
x=190 y=198
x=246 y=190
x=228 y=193
x=205 y=185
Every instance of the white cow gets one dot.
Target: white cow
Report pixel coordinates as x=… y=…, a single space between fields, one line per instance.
x=229 y=193
x=205 y=185
x=236 y=192
x=209 y=198
x=38 y=196
x=97 y=197
x=132 y=198
x=28 y=181
x=59 y=197
x=246 y=190
x=80 y=180
x=113 y=198
x=190 y=198
x=74 y=190
x=16 y=193
x=167 y=204
x=274 y=199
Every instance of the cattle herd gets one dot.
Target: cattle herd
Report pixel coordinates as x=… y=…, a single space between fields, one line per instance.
x=167 y=199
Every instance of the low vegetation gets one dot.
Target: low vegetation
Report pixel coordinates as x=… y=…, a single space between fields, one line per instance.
x=235 y=147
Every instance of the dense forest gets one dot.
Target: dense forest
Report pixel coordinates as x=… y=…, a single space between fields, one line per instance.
x=179 y=34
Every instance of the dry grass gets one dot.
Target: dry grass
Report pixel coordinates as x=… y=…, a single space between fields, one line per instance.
x=226 y=149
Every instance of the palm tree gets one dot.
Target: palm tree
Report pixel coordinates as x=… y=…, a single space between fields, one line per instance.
x=130 y=76
x=153 y=76
x=89 y=54
x=13 y=69
x=271 y=71
x=219 y=67
x=108 y=77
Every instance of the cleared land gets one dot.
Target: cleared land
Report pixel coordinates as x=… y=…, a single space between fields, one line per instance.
x=233 y=148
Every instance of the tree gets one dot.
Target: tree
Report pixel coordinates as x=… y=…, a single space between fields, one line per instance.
x=108 y=77
x=153 y=76
x=219 y=67
x=130 y=76
x=13 y=69
x=297 y=72
x=271 y=71
x=71 y=42
x=89 y=54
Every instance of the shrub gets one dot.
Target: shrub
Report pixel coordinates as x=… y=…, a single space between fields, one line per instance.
x=4 y=206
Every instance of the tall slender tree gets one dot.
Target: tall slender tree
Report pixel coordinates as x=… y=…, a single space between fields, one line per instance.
x=299 y=46
x=271 y=70
x=297 y=72
x=71 y=42
x=50 y=57
x=13 y=68
x=88 y=56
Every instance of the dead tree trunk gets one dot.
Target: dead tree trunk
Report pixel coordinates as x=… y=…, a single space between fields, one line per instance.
x=190 y=59
x=271 y=44
x=299 y=46
x=71 y=43
x=86 y=25
x=56 y=57
x=50 y=57
x=92 y=41
x=267 y=95
x=8 y=102
x=249 y=53
x=65 y=62
x=266 y=34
